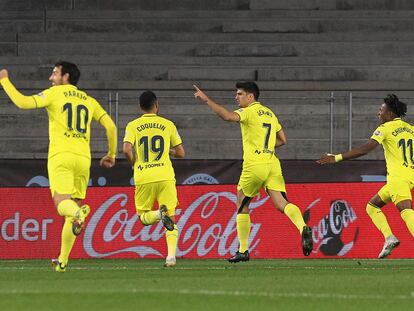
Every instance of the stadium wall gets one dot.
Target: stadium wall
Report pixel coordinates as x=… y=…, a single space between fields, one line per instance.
x=30 y=227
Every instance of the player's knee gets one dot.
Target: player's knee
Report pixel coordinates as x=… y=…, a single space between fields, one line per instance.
x=371 y=209
x=142 y=219
x=243 y=210
x=244 y=206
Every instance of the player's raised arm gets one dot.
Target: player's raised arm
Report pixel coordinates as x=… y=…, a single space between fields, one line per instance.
x=356 y=152
x=221 y=111
x=111 y=133
x=20 y=100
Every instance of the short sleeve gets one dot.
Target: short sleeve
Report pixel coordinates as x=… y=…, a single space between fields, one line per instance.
x=129 y=134
x=379 y=134
x=243 y=113
x=44 y=98
x=175 y=137
x=278 y=126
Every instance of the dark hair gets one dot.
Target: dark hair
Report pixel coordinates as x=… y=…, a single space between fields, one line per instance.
x=395 y=105
x=249 y=87
x=147 y=100
x=71 y=69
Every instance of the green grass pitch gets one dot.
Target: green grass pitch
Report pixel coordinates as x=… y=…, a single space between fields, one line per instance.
x=144 y=284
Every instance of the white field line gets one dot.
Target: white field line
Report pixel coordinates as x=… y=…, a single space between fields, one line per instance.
x=213 y=293
x=137 y=267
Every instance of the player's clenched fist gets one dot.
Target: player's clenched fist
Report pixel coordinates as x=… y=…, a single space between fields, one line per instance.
x=3 y=74
x=107 y=162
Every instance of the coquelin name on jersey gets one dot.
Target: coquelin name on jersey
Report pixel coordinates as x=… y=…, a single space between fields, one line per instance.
x=150 y=126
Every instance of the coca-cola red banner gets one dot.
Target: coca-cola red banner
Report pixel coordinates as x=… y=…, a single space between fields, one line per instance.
x=31 y=228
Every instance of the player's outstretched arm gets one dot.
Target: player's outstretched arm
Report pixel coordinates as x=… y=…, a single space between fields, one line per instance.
x=108 y=161
x=217 y=108
x=356 y=152
x=21 y=101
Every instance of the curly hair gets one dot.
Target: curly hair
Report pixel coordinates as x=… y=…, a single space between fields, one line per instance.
x=395 y=105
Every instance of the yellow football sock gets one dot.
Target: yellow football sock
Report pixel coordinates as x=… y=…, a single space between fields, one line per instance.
x=68 y=239
x=295 y=216
x=379 y=220
x=67 y=208
x=243 y=231
x=408 y=216
x=149 y=218
x=172 y=239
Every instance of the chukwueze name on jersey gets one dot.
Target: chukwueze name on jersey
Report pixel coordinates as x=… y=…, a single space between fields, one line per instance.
x=402 y=130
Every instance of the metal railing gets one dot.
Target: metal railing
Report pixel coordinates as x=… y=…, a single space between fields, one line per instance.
x=344 y=101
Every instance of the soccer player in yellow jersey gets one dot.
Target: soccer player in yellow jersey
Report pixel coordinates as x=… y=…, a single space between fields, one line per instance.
x=261 y=134
x=154 y=139
x=396 y=137
x=70 y=113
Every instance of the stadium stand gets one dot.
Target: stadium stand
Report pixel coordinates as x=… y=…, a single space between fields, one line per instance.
x=304 y=54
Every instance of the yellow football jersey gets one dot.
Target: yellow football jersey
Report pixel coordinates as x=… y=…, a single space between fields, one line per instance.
x=396 y=137
x=152 y=137
x=70 y=113
x=259 y=126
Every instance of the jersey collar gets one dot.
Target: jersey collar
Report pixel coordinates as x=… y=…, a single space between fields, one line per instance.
x=253 y=103
x=149 y=115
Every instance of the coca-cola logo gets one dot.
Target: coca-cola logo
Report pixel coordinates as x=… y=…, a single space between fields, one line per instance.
x=334 y=233
x=115 y=229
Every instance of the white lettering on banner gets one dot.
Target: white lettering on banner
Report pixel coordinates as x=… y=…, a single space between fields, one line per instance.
x=340 y=216
x=200 y=178
x=211 y=201
x=91 y=227
x=339 y=219
x=29 y=229
x=40 y=181
x=214 y=236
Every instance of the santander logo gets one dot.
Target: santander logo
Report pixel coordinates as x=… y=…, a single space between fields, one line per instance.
x=114 y=229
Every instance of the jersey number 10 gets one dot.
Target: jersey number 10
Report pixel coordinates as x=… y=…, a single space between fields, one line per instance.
x=82 y=117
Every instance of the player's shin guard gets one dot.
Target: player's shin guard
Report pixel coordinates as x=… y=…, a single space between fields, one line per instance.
x=172 y=239
x=379 y=219
x=67 y=208
x=149 y=218
x=295 y=216
x=243 y=231
x=408 y=216
x=68 y=239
